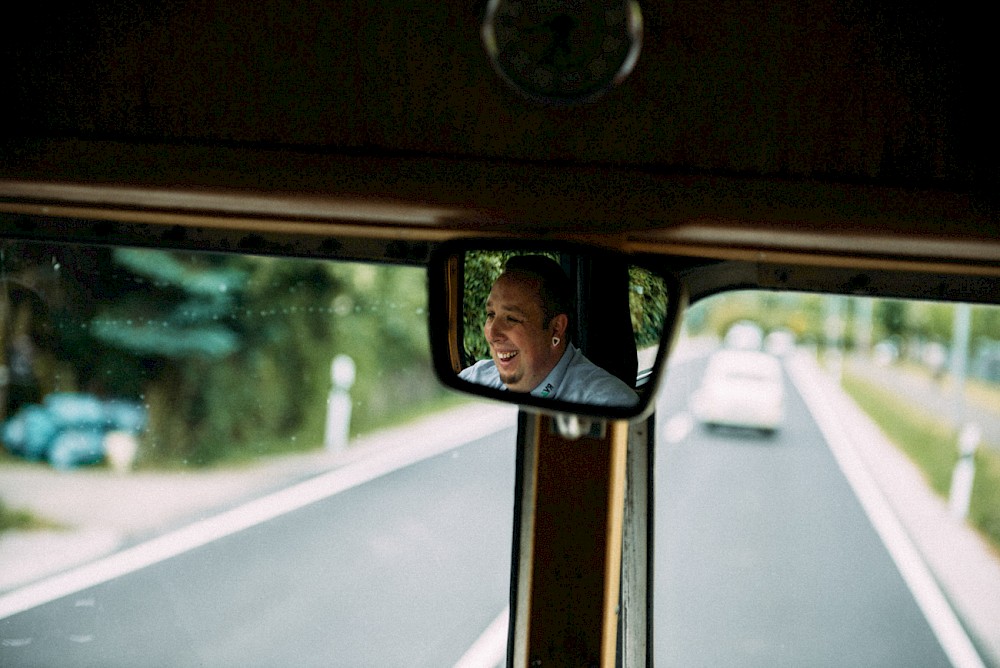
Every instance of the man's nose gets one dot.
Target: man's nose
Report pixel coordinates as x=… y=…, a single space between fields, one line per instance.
x=494 y=330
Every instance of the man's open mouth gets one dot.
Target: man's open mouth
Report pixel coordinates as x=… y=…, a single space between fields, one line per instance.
x=504 y=357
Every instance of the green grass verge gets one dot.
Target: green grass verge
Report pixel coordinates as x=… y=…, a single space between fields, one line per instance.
x=310 y=438
x=433 y=404
x=13 y=518
x=984 y=507
x=307 y=439
x=930 y=442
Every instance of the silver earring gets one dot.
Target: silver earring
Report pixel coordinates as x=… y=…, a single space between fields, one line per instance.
x=555 y=341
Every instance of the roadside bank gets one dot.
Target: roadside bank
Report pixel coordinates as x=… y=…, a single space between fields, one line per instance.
x=961 y=563
x=103 y=511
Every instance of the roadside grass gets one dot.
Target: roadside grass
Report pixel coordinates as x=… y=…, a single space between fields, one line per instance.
x=21 y=520
x=984 y=507
x=310 y=438
x=977 y=392
x=435 y=401
x=931 y=443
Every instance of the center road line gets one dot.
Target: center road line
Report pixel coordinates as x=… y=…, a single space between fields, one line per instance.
x=255 y=512
x=490 y=648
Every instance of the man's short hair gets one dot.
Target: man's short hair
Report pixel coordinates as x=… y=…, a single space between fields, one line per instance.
x=555 y=290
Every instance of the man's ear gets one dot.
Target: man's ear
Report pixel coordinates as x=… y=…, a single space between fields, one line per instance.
x=558 y=325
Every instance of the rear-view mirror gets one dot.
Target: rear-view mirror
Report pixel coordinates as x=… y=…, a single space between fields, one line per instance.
x=558 y=328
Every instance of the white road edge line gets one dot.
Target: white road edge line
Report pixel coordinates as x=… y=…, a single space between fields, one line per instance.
x=928 y=595
x=243 y=517
x=490 y=648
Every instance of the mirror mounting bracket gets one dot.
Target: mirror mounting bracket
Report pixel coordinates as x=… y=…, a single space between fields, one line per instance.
x=573 y=427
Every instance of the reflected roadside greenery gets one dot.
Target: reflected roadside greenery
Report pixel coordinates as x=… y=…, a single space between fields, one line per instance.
x=648 y=296
x=647 y=300
x=229 y=354
x=18 y=519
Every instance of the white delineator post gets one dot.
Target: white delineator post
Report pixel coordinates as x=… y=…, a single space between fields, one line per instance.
x=338 y=404
x=120 y=449
x=965 y=472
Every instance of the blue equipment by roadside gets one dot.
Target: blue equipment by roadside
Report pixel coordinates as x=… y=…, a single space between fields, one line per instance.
x=68 y=429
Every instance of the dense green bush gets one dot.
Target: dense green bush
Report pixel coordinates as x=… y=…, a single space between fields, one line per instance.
x=647 y=306
x=272 y=393
x=231 y=354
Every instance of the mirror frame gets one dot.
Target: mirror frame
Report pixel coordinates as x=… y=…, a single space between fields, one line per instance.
x=446 y=324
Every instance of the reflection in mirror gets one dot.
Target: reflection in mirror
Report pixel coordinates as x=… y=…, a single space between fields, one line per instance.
x=559 y=325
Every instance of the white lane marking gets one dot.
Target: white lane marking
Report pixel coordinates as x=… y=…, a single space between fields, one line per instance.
x=253 y=513
x=490 y=648
x=929 y=597
x=678 y=427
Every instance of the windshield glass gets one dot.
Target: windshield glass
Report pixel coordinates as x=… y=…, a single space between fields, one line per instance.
x=220 y=459
x=224 y=459
x=844 y=511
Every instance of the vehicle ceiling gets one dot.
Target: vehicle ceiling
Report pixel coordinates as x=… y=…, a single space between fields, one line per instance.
x=841 y=133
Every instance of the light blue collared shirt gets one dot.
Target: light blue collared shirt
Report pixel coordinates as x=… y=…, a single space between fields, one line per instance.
x=574 y=378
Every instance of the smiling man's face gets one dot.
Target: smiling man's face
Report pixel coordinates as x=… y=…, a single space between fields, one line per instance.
x=520 y=342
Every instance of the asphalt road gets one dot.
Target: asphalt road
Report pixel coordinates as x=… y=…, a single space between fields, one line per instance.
x=405 y=570
x=764 y=556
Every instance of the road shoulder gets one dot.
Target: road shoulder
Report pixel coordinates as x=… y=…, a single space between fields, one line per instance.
x=963 y=566
x=104 y=512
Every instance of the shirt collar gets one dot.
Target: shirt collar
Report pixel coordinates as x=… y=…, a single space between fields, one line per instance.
x=549 y=386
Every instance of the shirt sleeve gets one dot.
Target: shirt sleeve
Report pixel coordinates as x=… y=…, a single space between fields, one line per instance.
x=587 y=383
x=483 y=372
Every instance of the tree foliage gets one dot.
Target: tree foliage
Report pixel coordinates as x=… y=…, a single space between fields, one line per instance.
x=907 y=324
x=647 y=299
x=174 y=308
x=228 y=352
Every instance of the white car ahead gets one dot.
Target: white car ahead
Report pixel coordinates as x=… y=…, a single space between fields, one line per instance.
x=741 y=388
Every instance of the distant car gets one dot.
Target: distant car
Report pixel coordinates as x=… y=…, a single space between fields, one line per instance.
x=780 y=342
x=935 y=357
x=885 y=353
x=741 y=388
x=744 y=335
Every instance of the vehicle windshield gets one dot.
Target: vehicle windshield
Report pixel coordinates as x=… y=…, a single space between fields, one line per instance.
x=222 y=459
x=844 y=512
x=231 y=459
